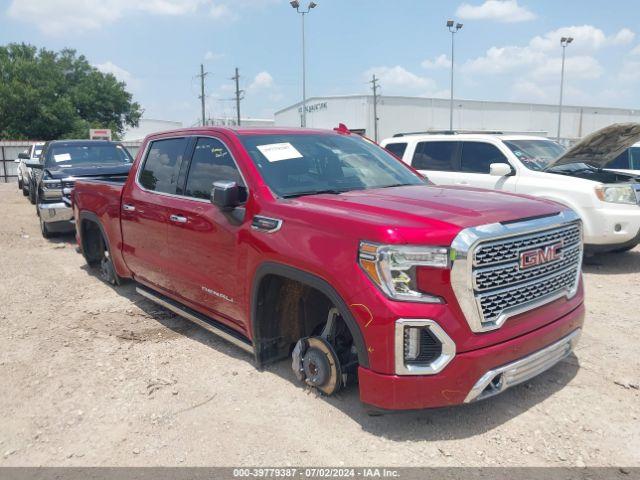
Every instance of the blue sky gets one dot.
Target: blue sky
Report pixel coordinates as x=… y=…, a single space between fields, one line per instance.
x=507 y=50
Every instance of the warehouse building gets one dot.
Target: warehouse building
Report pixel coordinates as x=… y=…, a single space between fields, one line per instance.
x=410 y=114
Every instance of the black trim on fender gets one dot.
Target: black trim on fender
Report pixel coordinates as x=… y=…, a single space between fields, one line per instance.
x=286 y=271
x=92 y=217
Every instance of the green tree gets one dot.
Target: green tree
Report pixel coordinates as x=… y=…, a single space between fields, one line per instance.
x=46 y=95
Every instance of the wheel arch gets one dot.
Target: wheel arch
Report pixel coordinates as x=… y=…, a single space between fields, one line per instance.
x=313 y=281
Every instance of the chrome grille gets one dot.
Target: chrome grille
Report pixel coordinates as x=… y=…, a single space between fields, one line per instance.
x=502 y=287
x=509 y=274
x=504 y=269
x=508 y=250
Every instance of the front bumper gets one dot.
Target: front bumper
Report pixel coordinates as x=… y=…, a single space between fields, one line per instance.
x=460 y=381
x=56 y=213
x=612 y=226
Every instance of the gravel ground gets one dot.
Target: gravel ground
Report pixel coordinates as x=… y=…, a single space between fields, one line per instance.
x=92 y=375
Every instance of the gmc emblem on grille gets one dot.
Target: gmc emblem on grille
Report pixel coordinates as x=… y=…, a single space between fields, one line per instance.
x=539 y=256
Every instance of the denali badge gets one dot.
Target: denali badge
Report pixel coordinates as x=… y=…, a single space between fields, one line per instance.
x=538 y=256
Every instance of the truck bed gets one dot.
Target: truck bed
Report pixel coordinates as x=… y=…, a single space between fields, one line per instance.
x=101 y=198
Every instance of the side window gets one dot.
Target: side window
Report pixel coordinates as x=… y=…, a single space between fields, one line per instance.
x=478 y=156
x=435 y=156
x=162 y=165
x=621 y=161
x=210 y=163
x=397 y=149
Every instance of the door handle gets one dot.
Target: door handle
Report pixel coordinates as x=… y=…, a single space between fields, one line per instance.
x=178 y=218
x=128 y=208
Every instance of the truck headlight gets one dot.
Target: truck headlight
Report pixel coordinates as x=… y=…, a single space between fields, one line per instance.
x=393 y=268
x=617 y=194
x=52 y=184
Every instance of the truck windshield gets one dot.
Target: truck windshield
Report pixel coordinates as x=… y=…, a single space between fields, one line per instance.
x=84 y=154
x=535 y=154
x=306 y=164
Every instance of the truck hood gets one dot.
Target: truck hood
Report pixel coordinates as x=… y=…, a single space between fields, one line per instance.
x=104 y=170
x=601 y=147
x=414 y=205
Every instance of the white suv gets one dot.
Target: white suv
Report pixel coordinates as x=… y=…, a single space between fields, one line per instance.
x=608 y=202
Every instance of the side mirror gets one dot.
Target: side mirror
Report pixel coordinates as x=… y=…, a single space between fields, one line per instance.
x=23 y=156
x=34 y=164
x=225 y=195
x=500 y=170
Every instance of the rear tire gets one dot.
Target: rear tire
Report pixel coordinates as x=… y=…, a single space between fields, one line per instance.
x=25 y=190
x=32 y=193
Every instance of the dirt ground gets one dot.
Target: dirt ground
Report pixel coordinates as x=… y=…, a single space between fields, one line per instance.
x=92 y=375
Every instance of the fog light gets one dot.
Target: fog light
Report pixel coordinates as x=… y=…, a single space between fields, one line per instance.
x=618 y=227
x=411 y=343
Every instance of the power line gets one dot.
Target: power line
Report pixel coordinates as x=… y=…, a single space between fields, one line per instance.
x=374 y=86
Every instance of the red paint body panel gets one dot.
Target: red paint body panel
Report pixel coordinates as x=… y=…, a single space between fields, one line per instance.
x=320 y=235
x=451 y=386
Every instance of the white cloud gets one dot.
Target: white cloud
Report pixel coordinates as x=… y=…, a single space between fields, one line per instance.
x=57 y=17
x=221 y=10
x=212 y=56
x=498 y=60
x=635 y=50
x=398 y=80
x=528 y=90
x=623 y=37
x=441 y=61
x=630 y=72
x=541 y=56
x=586 y=38
x=261 y=81
x=120 y=73
x=507 y=11
x=577 y=67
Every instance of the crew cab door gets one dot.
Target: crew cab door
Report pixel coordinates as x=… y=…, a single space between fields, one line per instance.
x=473 y=167
x=207 y=261
x=144 y=212
x=437 y=160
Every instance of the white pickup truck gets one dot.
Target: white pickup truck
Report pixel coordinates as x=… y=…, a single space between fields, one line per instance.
x=607 y=201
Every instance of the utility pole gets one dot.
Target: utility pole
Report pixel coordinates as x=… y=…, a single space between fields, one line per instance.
x=239 y=93
x=374 y=87
x=202 y=98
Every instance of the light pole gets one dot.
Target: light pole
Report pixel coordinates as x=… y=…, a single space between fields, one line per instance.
x=295 y=4
x=453 y=28
x=564 y=41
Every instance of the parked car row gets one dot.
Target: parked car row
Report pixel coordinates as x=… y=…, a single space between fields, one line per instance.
x=607 y=201
x=52 y=168
x=323 y=248
x=26 y=176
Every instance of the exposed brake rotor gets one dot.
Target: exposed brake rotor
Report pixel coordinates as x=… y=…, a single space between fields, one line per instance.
x=314 y=361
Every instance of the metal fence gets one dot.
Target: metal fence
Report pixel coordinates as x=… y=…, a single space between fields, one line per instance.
x=9 y=150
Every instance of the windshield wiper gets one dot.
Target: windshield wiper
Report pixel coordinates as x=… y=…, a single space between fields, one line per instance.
x=393 y=185
x=313 y=192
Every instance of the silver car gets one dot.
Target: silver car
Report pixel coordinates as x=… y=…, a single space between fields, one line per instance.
x=26 y=177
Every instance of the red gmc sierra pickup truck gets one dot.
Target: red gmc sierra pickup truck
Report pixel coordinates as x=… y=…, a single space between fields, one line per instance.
x=321 y=247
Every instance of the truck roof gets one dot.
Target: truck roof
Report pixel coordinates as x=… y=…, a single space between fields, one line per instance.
x=462 y=136
x=243 y=131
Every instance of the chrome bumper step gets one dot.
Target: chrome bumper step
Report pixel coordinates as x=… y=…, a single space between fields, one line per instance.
x=499 y=379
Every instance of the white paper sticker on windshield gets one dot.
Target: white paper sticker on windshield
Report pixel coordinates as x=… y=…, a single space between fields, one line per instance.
x=62 y=157
x=275 y=152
